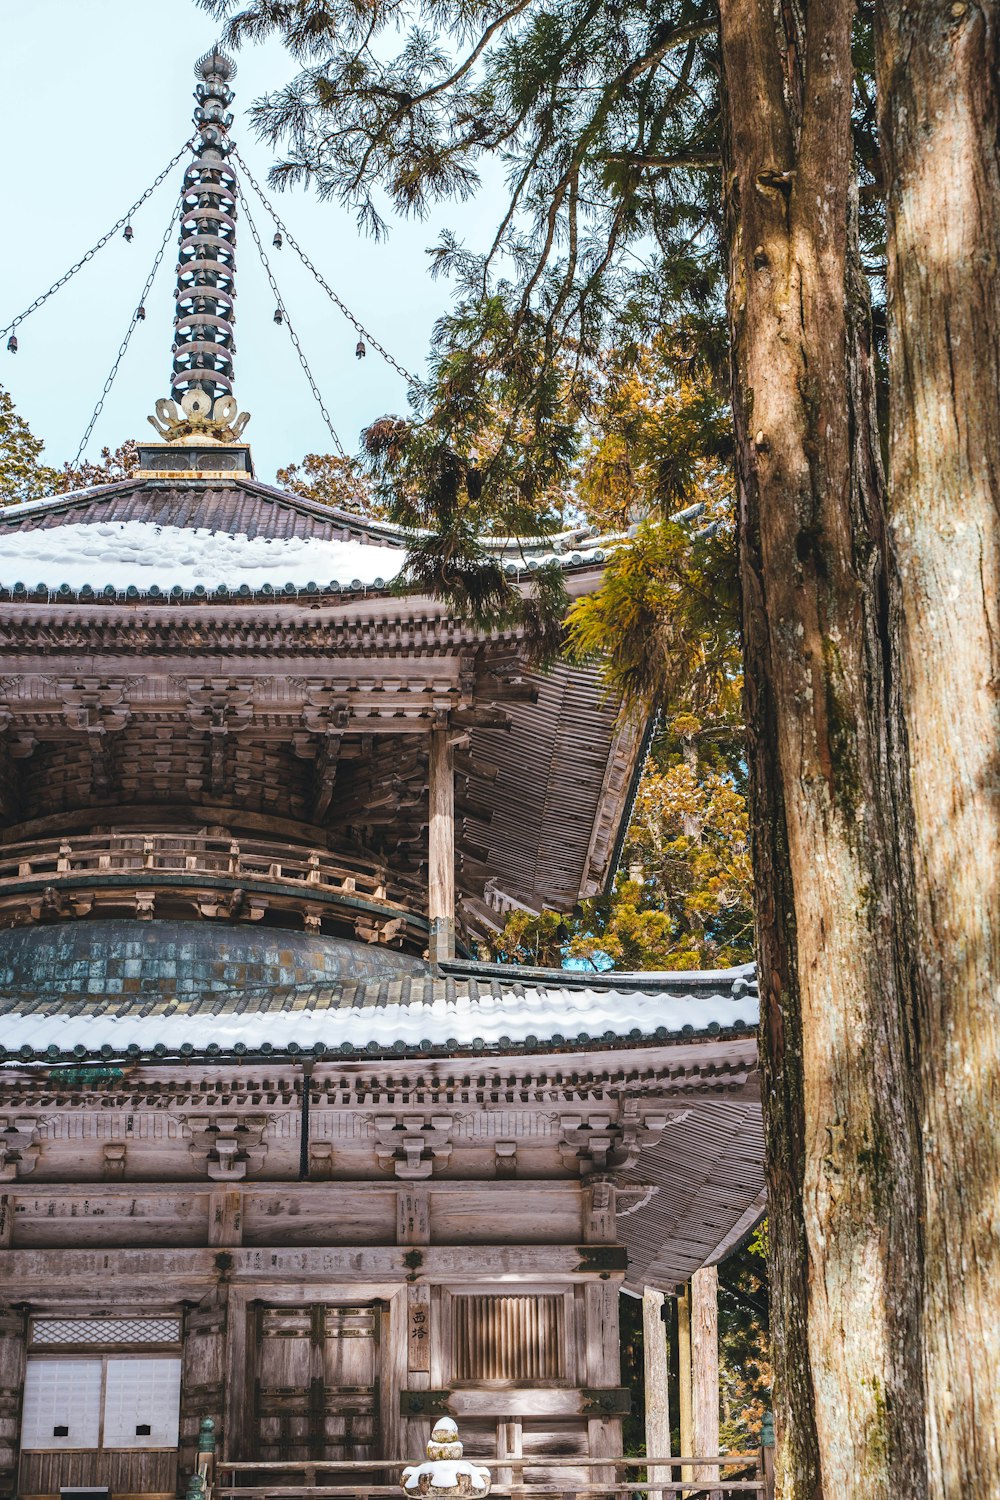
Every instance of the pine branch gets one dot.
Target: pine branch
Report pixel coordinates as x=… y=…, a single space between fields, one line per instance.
x=692 y=161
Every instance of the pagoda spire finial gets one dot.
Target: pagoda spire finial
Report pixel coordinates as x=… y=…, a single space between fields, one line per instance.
x=202 y=405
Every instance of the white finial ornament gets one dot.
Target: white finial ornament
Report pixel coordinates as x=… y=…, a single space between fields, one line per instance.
x=446 y=1472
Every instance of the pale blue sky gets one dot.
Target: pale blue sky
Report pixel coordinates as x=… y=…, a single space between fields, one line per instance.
x=96 y=98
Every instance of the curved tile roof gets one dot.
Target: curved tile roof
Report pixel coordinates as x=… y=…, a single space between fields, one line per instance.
x=207 y=538
x=477 y=1008
x=240 y=506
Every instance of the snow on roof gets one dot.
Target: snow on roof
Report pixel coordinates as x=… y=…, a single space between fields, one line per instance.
x=457 y=1015
x=141 y=553
x=147 y=556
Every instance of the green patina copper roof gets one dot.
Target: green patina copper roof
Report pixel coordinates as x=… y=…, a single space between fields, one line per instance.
x=155 y=963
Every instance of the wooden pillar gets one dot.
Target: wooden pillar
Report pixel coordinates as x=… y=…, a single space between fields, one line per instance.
x=13 y=1343
x=203 y=1373
x=705 y=1366
x=684 y=1377
x=510 y=1444
x=656 y=1372
x=767 y=1455
x=441 y=847
x=603 y=1369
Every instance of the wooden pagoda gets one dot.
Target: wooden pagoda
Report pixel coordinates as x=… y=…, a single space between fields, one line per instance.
x=275 y=1149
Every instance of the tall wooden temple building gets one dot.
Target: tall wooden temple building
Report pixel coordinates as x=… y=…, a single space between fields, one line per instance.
x=275 y=1149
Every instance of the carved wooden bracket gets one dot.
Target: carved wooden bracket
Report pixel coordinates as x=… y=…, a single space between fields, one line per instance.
x=599 y=1143
x=19 y=1146
x=505 y=1155
x=413 y=1145
x=114 y=1162
x=97 y=709
x=227 y=1147
x=216 y=707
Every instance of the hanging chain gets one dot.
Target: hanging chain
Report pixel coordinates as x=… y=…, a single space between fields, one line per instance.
x=137 y=317
x=280 y=306
x=286 y=233
x=100 y=243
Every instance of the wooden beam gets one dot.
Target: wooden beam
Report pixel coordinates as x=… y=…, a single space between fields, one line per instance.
x=37 y=1272
x=325 y=774
x=656 y=1370
x=441 y=847
x=705 y=1366
x=531 y=1402
x=684 y=1377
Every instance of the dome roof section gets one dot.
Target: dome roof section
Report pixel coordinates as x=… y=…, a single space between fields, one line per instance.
x=160 y=962
x=156 y=537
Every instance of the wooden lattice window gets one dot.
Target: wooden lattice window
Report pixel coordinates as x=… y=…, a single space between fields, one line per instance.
x=508 y=1338
x=164 y=1330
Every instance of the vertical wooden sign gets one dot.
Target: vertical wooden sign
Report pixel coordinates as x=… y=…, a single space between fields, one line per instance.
x=418 y=1307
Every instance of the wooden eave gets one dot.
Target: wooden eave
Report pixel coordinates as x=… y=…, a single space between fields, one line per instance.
x=542 y=817
x=693 y=1194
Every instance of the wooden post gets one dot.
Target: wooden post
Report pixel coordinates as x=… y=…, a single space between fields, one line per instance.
x=206 y=1455
x=13 y=1344
x=603 y=1366
x=684 y=1377
x=767 y=1455
x=204 y=1383
x=441 y=847
x=705 y=1366
x=509 y=1445
x=656 y=1372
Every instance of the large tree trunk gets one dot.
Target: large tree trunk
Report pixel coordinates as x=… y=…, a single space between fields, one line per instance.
x=827 y=769
x=938 y=78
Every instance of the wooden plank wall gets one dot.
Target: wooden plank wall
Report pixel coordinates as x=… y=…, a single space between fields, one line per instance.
x=298 y=1372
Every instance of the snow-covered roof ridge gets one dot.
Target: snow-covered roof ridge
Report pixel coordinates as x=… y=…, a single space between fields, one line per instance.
x=11 y=514
x=149 y=556
x=152 y=537
x=581 y=536
x=465 y=1012
x=739 y=979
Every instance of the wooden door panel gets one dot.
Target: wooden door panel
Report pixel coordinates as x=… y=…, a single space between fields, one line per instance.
x=314 y=1381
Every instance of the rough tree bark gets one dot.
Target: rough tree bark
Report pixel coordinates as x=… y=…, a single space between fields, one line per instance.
x=828 y=768
x=938 y=71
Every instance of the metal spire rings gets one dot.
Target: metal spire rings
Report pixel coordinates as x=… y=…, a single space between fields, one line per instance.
x=202 y=404
x=203 y=344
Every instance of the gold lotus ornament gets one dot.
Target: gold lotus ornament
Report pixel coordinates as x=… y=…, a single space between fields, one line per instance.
x=196 y=418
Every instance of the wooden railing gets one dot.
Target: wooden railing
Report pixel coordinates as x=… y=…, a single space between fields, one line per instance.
x=366 y=1479
x=192 y=858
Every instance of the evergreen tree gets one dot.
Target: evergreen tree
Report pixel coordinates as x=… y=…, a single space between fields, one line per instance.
x=328 y=479
x=654 y=459
x=613 y=118
x=114 y=468
x=23 y=475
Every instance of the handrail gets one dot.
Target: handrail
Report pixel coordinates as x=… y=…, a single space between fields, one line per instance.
x=718 y=1487
x=202 y=853
x=532 y=1461
x=691 y=1488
